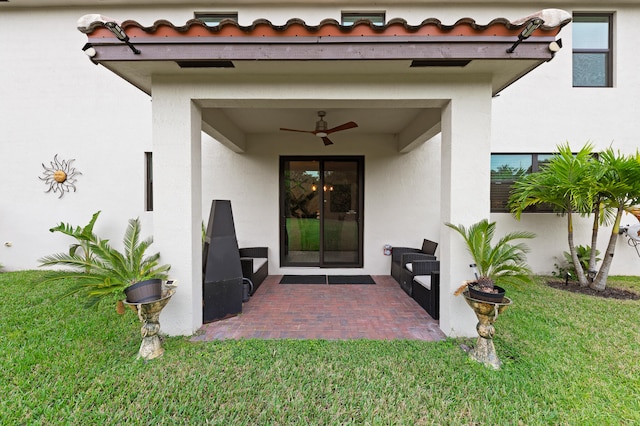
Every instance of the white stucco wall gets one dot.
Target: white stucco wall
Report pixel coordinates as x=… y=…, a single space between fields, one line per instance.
x=54 y=101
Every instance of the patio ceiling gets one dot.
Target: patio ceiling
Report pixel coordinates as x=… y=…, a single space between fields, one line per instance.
x=329 y=52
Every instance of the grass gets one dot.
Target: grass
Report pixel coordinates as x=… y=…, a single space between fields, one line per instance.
x=567 y=359
x=304 y=234
x=630 y=283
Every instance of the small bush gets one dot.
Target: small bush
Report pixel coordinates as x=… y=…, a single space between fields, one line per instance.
x=564 y=266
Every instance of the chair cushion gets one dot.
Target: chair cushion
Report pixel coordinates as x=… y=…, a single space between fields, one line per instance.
x=429 y=247
x=409 y=267
x=423 y=280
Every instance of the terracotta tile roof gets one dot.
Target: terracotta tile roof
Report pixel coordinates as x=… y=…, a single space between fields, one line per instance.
x=295 y=27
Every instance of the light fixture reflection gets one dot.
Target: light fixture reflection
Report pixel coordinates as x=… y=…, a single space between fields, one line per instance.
x=325 y=188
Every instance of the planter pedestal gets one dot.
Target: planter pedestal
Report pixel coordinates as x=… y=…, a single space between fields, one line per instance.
x=487 y=314
x=149 y=314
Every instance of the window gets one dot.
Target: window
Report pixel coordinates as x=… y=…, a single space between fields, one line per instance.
x=349 y=18
x=212 y=19
x=505 y=169
x=592 y=50
x=148 y=179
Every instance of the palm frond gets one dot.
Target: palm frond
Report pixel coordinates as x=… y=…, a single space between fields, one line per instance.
x=500 y=262
x=106 y=271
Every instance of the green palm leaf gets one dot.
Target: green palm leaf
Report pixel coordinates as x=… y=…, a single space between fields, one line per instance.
x=502 y=262
x=107 y=271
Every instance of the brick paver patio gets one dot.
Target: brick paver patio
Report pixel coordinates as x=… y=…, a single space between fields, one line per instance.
x=321 y=311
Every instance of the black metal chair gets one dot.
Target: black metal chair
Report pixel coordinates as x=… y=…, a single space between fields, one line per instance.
x=409 y=260
x=401 y=256
x=255 y=265
x=396 y=260
x=426 y=287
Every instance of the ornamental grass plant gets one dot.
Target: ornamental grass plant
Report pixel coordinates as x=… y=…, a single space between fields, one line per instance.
x=567 y=359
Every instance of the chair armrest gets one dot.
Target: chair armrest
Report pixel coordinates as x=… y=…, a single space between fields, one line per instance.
x=415 y=257
x=246 y=263
x=425 y=267
x=398 y=252
x=254 y=252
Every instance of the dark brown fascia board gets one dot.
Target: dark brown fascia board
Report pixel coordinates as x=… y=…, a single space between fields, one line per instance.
x=538 y=50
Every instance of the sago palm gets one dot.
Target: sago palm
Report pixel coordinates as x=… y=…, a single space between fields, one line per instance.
x=108 y=271
x=499 y=263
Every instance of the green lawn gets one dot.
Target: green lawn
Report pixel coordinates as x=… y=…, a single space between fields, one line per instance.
x=304 y=234
x=568 y=359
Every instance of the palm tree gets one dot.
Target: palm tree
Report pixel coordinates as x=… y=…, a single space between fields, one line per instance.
x=602 y=215
x=502 y=262
x=566 y=184
x=619 y=189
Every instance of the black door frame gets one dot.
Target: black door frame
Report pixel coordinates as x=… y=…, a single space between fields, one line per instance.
x=359 y=159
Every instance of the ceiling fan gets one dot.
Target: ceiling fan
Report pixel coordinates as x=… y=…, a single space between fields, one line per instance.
x=321 y=130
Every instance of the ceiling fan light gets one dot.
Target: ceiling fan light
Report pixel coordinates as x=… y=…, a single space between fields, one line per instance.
x=321 y=134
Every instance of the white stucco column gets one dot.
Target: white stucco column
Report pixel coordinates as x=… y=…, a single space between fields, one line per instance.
x=178 y=204
x=466 y=162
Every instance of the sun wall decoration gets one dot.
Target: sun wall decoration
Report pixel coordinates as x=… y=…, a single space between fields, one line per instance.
x=60 y=177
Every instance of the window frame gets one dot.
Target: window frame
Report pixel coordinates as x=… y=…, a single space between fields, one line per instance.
x=216 y=17
x=535 y=167
x=608 y=52
x=148 y=181
x=356 y=15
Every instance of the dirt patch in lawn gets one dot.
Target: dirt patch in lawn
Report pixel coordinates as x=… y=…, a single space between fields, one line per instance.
x=611 y=293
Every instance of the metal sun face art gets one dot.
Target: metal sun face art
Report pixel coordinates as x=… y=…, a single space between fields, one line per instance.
x=60 y=177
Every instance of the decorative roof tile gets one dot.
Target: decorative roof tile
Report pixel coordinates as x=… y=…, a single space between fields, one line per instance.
x=296 y=27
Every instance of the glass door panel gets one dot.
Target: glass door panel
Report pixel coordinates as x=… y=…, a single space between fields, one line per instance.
x=301 y=213
x=321 y=204
x=340 y=218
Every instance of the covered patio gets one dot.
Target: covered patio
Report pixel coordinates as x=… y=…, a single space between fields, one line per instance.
x=422 y=98
x=332 y=312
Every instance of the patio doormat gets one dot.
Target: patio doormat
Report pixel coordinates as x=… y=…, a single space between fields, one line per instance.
x=303 y=279
x=350 y=279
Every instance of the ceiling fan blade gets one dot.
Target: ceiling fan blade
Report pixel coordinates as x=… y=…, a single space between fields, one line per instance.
x=296 y=130
x=326 y=141
x=345 y=126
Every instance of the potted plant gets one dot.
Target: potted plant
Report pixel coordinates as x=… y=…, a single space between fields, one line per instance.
x=494 y=264
x=101 y=272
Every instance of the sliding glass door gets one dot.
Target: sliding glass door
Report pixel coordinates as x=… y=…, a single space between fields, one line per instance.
x=321 y=201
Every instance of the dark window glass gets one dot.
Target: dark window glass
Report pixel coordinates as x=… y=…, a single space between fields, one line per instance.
x=349 y=18
x=592 y=50
x=505 y=169
x=148 y=189
x=212 y=19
